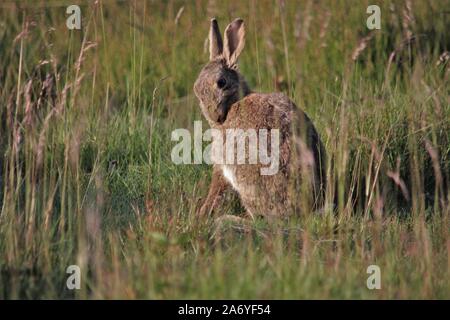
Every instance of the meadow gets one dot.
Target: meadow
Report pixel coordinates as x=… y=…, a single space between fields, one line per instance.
x=86 y=176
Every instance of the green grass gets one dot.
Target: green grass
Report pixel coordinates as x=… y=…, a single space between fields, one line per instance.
x=86 y=176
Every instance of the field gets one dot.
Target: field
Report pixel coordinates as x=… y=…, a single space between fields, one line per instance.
x=86 y=176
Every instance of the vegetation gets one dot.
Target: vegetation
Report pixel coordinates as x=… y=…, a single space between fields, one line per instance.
x=86 y=176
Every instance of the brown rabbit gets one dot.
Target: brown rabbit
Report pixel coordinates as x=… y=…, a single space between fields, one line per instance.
x=228 y=103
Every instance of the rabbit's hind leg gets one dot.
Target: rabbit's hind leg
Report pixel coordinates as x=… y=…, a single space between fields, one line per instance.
x=239 y=224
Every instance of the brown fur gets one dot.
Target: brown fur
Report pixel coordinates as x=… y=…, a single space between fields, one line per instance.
x=227 y=103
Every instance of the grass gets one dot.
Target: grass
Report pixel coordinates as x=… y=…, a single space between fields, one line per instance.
x=86 y=176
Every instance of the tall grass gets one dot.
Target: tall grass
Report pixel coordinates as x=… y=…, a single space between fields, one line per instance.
x=86 y=176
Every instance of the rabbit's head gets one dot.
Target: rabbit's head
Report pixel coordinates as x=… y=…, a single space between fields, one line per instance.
x=219 y=84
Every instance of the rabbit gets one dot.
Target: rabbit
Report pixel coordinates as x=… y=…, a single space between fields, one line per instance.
x=227 y=102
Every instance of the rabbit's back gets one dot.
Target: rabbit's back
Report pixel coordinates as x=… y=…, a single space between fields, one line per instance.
x=260 y=111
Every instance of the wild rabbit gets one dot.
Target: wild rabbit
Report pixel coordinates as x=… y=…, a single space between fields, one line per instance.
x=228 y=104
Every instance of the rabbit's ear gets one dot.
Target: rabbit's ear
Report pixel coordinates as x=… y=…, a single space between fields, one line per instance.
x=234 y=41
x=215 y=40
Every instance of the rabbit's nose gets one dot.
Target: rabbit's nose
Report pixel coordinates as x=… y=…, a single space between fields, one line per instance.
x=222 y=113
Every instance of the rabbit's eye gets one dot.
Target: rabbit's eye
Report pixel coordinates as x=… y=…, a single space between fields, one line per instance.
x=221 y=83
